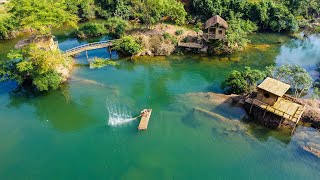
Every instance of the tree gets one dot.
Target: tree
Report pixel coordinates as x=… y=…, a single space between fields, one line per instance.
x=238 y=31
x=245 y=81
x=34 y=66
x=40 y=16
x=128 y=45
x=296 y=76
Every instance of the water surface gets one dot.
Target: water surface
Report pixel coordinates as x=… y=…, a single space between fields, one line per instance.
x=65 y=134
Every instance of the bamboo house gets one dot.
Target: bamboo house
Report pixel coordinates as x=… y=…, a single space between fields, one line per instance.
x=271 y=98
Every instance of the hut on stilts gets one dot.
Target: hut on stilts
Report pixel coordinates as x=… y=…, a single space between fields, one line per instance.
x=273 y=107
x=213 y=29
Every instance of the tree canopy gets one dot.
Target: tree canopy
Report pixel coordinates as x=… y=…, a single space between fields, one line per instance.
x=35 y=66
x=42 y=15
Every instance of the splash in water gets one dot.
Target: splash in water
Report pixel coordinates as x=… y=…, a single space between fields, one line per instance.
x=118 y=115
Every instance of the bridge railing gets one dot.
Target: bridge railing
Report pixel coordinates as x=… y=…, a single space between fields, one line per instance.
x=88 y=45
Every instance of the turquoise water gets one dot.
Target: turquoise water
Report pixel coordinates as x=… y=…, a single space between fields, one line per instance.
x=65 y=134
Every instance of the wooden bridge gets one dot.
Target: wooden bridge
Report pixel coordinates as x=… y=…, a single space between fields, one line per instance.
x=87 y=47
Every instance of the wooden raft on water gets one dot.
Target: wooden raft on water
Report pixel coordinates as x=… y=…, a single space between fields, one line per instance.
x=145 y=116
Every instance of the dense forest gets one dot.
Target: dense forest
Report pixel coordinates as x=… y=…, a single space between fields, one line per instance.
x=268 y=15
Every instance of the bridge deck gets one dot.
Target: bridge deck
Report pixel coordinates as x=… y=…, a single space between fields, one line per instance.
x=87 y=47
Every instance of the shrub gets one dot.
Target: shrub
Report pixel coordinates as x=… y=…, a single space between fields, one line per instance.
x=245 y=81
x=7 y=25
x=100 y=62
x=116 y=26
x=179 y=32
x=91 y=30
x=128 y=45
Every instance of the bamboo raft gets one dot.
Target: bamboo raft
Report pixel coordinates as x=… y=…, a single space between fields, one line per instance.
x=145 y=116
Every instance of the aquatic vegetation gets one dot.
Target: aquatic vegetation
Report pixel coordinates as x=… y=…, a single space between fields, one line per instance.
x=100 y=62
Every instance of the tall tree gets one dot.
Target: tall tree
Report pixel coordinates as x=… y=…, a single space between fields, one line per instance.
x=40 y=16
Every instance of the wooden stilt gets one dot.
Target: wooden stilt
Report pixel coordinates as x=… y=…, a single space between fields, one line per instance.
x=264 y=113
x=280 y=122
x=87 y=56
x=110 y=53
x=251 y=108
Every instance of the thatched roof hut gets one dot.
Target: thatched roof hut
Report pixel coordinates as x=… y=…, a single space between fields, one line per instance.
x=274 y=86
x=215 y=28
x=214 y=21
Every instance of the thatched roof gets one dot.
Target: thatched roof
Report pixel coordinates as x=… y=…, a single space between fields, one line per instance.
x=274 y=86
x=216 y=20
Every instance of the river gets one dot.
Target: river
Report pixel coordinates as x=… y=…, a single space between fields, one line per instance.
x=67 y=134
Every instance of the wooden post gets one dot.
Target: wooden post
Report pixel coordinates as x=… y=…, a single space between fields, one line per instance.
x=110 y=53
x=251 y=108
x=280 y=122
x=264 y=113
x=87 y=55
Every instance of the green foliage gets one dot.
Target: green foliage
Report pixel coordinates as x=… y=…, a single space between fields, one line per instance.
x=238 y=31
x=41 y=15
x=100 y=62
x=7 y=25
x=91 y=30
x=299 y=79
x=168 y=36
x=35 y=65
x=116 y=26
x=128 y=45
x=148 y=11
x=245 y=81
x=268 y=14
x=179 y=32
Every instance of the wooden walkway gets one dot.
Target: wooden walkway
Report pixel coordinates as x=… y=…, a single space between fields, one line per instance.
x=191 y=45
x=145 y=119
x=87 y=47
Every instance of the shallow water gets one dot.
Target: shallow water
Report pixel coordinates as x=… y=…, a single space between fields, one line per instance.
x=65 y=134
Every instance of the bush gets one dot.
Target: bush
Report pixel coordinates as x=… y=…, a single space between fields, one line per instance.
x=245 y=81
x=100 y=62
x=91 y=30
x=179 y=32
x=7 y=25
x=128 y=45
x=238 y=31
x=168 y=36
x=116 y=26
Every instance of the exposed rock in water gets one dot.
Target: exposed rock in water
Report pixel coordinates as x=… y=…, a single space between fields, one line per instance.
x=312 y=112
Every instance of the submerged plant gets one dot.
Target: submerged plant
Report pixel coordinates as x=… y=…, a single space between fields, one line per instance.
x=100 y=62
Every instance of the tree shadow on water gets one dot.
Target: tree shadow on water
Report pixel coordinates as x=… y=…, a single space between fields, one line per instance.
x=56 y=107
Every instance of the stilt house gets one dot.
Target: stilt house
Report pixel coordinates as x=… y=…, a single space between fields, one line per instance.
x=271 y=98
x=215 y=28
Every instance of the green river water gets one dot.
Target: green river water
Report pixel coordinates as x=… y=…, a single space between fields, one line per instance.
x=77 y=132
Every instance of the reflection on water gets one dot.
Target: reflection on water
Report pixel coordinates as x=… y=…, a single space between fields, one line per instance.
x=305 y=53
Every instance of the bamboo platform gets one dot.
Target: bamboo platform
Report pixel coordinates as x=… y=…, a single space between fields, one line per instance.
x=145 y=119
x=284 y=108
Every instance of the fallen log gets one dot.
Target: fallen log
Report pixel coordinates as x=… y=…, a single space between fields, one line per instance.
x=215 y=115
x=313 y=151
